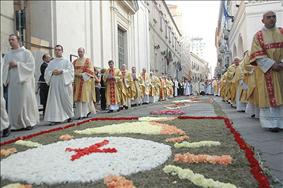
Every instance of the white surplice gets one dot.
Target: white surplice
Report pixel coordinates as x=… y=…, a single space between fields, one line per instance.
x=176 y=87
x=187 y=89
x=270 y=117
x=4 y=119
x=22 y=105
x=59 y=105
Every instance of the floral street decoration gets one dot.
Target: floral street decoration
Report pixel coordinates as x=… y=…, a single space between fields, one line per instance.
x=28 y=143
x=17 y=185
x=197 y=144
x=177 y=139
x=168 y=112
x=95 y=148
x=148 y=118
x=7 y=152
x=66 y=137
x=118 y=182
x=195 y=178
x=38 y=165
x=202 y=158
x=143 y=127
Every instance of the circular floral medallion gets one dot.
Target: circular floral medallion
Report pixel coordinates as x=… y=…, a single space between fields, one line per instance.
x=52 y=164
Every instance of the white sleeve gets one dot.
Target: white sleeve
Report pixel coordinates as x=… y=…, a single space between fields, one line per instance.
x=48 y=74
x=265 y=63
x=26 y=69
x=5 y=71
x=68 y=73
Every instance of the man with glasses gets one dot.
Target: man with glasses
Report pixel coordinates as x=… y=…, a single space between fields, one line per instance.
x=267 y=54
x=59 y=75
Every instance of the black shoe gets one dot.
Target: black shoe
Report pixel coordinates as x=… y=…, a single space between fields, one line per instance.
x=6 y=132
x=28 y=128
x=53 y=123
x=109 y=111
x=126 y=107
x=69 y=120
x=241 y=111
x=253 y=116
x=274 y=130
x=88 y=114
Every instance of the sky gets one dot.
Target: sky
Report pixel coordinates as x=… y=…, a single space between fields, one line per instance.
x=200 y=20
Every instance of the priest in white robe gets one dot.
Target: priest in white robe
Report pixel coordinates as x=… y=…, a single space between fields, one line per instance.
x=176 y=87
x=59 y=75
x=187 y=88
x=4 y=119
x=18 y=74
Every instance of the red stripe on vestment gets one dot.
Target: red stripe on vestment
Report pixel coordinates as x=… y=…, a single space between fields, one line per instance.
x=270 y=88
x=258 y=53
x=112 y=88
x=273 y=45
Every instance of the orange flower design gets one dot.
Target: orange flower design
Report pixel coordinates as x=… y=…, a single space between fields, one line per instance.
x=177 y=139
x=169 y=129
x=118 y=182
x=7 y=152
x=213 y=159
x=66 y=137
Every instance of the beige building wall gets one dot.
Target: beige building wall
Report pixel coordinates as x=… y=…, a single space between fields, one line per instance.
x=89 y=24
x=200 y=70
x=164 y=37
x=7 y=23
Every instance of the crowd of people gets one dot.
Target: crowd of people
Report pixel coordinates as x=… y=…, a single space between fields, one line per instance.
x=74 y=90
x=254 y=84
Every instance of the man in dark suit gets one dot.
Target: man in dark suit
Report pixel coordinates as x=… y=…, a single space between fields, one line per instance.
x=43 y=87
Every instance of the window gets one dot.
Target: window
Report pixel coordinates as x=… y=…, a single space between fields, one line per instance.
x=175 y=44
x=122 y=47
x=161 y=23
x=169 y=36
x=166 y=31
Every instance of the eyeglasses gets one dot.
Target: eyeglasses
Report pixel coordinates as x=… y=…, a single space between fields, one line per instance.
x=269 y=17
x=56 y=49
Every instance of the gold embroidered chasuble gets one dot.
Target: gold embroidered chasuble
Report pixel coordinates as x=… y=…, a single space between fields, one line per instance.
x=83 y=88
x=268 y=43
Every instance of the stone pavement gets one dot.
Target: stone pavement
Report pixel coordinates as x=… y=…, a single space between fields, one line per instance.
x=268 y=144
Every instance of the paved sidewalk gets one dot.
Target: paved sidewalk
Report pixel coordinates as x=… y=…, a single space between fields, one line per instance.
x=268 y=144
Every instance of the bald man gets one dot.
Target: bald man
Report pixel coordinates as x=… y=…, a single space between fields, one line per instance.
x=267 y=54
x=232 y=81
x=84 y=72
x=144 y=86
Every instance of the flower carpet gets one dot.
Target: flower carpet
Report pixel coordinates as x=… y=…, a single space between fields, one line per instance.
x=134 y=152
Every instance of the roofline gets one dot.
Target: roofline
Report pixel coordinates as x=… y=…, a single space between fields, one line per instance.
x=196 y=56
x=171 y=17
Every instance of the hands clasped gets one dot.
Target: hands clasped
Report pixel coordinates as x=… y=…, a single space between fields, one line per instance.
x=57 y=72
x=12 y=64
x=277 y=67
